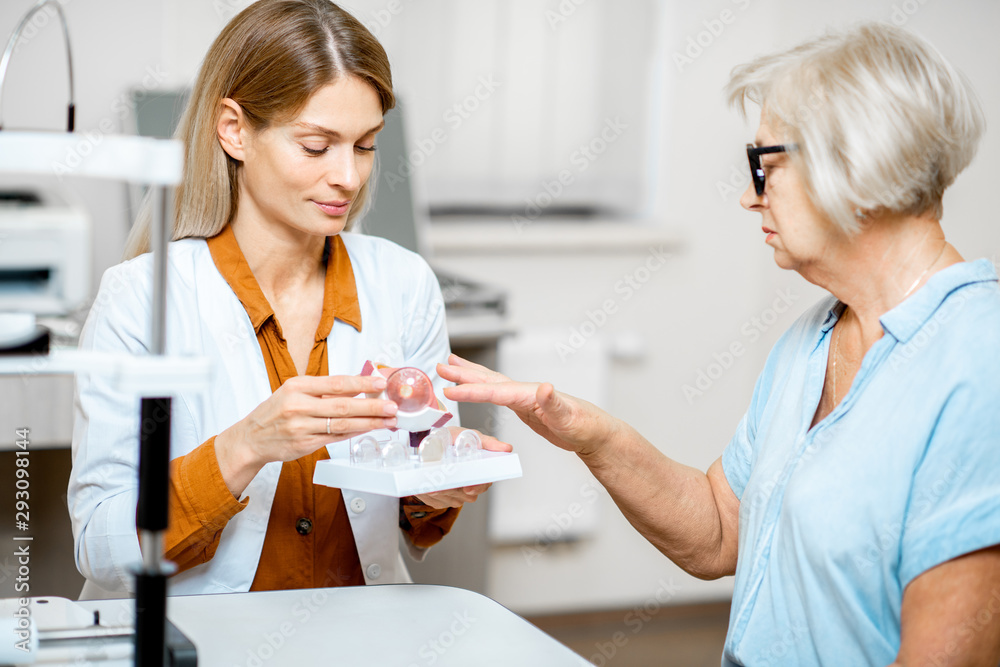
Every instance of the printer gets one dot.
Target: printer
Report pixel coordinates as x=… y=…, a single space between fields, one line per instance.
x=44 y=253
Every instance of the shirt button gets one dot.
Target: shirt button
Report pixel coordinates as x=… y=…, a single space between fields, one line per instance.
x=374 y=571
x=304 y=526
x=358 y=505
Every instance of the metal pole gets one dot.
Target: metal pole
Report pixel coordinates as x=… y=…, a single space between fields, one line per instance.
x=154 y=466
x=160 y=233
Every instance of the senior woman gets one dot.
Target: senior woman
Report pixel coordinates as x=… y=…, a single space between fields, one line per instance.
x=858 y=502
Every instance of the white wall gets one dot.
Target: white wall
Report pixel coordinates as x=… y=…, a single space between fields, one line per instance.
x=696 y=307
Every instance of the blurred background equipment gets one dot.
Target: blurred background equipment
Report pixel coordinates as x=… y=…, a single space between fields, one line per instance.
x=44 y=253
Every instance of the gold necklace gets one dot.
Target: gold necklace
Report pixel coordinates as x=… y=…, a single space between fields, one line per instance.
x=836 y=348
x=836 y=336
x=921 y=276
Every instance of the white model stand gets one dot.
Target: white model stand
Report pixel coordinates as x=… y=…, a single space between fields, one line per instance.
x=414 y=477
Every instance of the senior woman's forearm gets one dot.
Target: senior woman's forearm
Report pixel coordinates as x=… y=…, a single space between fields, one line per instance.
x=674 y=506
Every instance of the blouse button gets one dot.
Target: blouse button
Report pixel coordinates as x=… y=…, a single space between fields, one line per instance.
x=374 y=571
x=304 y=526
x=358 y=505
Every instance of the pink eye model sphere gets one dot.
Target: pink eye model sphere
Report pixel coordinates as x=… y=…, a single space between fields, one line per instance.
x=410 y=389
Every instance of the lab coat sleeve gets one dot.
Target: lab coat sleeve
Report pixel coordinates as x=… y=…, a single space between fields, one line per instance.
x=103 y=484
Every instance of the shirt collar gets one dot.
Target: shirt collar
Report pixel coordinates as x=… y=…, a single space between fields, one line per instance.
x=832 y=315
x=903 y=321
x=340 y=298
x=906 y=319
x=340 y=295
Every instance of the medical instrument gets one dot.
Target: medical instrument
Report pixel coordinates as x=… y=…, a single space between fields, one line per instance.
x=45 y=253
x=9 y=51
x=159 y=164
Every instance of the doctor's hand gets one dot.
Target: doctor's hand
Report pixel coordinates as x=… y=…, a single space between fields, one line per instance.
x=466 y=494
x=566 y=421
x=304 y=414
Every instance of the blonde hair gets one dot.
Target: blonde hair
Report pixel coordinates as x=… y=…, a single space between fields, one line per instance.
x=883 y=122
x=269 y=59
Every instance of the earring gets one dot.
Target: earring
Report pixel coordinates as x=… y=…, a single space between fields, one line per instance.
x=859 y=214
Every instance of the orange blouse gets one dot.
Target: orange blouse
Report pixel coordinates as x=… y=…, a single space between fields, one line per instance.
x=309 y=542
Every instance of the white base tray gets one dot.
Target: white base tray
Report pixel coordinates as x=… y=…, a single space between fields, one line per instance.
x=412 y=478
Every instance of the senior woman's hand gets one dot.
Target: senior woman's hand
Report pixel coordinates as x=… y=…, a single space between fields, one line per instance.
x=465 y=494
x=566 y=421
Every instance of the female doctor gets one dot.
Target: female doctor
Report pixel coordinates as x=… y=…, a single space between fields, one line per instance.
x=279 y=138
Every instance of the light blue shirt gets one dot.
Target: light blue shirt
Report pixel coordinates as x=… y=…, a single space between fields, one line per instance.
x=903 y=475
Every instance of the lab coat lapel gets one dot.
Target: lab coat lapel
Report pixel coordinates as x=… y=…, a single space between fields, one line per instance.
x=239 y=385
x=374 y=518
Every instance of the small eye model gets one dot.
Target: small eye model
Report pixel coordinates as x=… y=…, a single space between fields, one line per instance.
x=411 y=390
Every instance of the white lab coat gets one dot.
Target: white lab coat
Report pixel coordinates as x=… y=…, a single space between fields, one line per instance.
x=403 y=324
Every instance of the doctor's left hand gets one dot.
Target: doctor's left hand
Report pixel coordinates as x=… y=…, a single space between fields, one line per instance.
x=466 y=494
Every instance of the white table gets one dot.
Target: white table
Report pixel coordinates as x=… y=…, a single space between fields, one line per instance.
x=404 y=625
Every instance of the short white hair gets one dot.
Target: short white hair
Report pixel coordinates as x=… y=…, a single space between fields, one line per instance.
x=883 y=122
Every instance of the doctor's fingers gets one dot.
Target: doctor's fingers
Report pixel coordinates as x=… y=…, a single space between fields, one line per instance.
x=336 y=385
x=341 y=429
x=342 y=407
x=453 y=497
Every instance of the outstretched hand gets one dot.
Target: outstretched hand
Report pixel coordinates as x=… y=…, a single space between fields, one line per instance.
x=566 y=421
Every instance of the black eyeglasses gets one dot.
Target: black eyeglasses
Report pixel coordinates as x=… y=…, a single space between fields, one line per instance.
x=756 y=172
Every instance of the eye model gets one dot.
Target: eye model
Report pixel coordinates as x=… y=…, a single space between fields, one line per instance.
x=411 y=390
